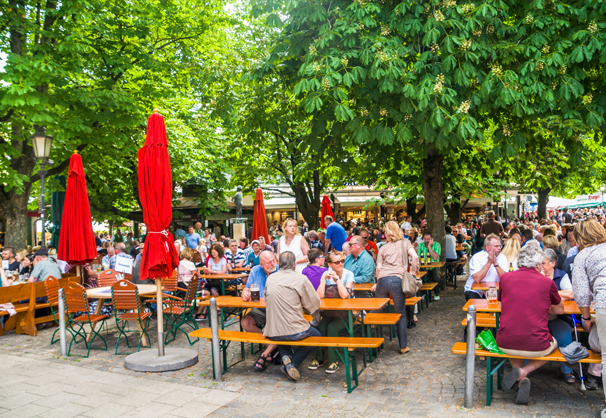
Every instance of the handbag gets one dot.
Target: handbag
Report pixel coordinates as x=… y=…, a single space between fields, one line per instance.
x=331 y=291
x=410 y=284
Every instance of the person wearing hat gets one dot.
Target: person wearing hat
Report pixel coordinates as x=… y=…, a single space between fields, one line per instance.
x=253 y=257
x=44 y=267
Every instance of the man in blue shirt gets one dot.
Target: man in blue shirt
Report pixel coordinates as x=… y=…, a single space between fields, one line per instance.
x=180 y=232
x=254 y=258
x=192 y=239
x=360 y=262
x=255 y=320
x=335 y=235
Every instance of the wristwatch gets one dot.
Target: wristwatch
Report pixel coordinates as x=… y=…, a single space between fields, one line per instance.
x=587 y=319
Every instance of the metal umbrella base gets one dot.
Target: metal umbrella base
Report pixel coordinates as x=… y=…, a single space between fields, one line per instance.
x=149 y=361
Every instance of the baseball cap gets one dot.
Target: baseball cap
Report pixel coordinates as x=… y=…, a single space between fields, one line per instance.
x=41 y=252
x=255 y=241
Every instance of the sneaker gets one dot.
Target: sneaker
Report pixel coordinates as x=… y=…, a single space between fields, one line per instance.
x=523 y=394
x=436 y=297
x=314 y=365
x=332 y=368
x=200 y=318
x=289 y=369
x=591 y=382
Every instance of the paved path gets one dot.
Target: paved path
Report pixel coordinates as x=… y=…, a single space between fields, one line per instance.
x=31 y=387
x=427 y=382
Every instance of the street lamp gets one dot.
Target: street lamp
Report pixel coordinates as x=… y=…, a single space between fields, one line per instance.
x=602 y=189
x=42 y=144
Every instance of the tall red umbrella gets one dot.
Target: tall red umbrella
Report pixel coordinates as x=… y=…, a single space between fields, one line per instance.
x=160 y=256
x=260 y=218
x=77 y=239
x=326 y=210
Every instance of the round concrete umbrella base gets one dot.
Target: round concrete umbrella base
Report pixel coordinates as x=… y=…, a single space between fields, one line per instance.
x=149 y=361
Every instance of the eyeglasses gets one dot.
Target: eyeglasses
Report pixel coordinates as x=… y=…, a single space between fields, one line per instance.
x=321 y=256
x=338 y=262
x=365 y=238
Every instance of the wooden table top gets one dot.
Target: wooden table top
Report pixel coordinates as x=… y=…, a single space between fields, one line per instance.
x=435 y=264
x=484 y=285
x=459 y=248
x=331 y=304
x=367 y=286
x=105 y=292
x=223 y=276
x=242 y=269
x=570 y=306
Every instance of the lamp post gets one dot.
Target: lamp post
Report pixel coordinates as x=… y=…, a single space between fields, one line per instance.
x=42 y=147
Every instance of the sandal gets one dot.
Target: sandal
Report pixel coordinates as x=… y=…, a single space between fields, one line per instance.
x=261 y=364
x=569 y=378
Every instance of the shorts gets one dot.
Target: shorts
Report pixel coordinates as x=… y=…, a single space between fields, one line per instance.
x=531 y=354
x=259 y=315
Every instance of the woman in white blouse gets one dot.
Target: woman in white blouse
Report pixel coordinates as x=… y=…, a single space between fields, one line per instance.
x=295 y=243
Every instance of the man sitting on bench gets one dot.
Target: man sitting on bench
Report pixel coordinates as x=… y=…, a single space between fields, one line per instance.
x=527 y=298
x=287 y=293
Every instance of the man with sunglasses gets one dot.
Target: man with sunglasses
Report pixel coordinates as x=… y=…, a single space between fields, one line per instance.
x=369 y=245
x=486 y=266
x=360 y=262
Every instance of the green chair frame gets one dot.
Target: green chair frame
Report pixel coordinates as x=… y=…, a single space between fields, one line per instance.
x=125 y=297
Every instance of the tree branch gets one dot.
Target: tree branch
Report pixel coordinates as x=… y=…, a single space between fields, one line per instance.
x=279 y=191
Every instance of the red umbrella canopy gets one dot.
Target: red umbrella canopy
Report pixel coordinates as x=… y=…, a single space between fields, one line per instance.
x=160 y=256
x=77 y=239
x=326 y=210
x=260 y=218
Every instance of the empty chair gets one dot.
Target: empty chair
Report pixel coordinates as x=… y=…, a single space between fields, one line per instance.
x=125 y=297
x=77 y=307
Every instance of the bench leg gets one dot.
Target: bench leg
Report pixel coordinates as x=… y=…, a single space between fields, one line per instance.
x=488 y=380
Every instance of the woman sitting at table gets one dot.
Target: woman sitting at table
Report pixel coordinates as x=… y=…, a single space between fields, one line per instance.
x=216 y=264
x=511 y=249
x=315 y=270
x=560 y=326
x=527 y=298
x=337 y=282
x=3 y=279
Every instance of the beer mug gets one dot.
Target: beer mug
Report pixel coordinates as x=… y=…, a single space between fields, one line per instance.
x=255 y=293
x=491 y=295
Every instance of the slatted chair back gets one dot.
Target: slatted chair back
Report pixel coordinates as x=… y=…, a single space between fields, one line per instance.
x=192 y=288
x=125 y=296
x=51 y=285
x=170 y=283
x=197 y=257
x=75 y=298
x=106 y=281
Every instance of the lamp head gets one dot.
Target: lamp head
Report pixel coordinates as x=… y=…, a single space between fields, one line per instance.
x=42 y=143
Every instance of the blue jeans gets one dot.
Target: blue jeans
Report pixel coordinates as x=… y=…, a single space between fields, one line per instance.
x=562 y=332
x=392 y=286
x=297 y=354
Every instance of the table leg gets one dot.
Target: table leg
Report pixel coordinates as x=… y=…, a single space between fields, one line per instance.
x=98 y=309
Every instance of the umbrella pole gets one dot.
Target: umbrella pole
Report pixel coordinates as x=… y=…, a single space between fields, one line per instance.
x=160 y=317
x=79 y=273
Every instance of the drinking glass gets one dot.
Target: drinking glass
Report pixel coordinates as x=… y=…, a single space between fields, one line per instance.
x=491 y=295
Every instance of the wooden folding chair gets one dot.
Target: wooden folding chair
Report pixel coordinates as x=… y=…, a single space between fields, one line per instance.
x=125 y=297
x=78 y=309
x=179 y=312
x=51 y=285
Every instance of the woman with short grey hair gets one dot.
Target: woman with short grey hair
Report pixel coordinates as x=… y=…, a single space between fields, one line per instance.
x=530 y=256
x=527 y=298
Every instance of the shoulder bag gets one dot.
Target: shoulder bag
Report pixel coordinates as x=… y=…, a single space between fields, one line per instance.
x=410 y=284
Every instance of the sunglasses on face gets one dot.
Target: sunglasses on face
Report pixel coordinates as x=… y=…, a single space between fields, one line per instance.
x=365 y=238
x=338 y=262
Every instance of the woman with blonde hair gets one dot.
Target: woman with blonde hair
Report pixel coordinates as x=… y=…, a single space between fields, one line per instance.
x=292 y=241
x=392 y=262
x=589 y=279
x=511 y=249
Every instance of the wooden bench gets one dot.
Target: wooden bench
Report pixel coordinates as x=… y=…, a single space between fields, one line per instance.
x=461 y=348
x=348 y=345
x=487 y=320
x=428 y=288
x=25 y=321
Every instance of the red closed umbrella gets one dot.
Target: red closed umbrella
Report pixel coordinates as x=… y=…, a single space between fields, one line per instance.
x=160 y=256
x=260 y=218
x=326 y=211
x=77 y=239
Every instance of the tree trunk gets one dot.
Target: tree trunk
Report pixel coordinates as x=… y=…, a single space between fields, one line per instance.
x=543 y=198
x=15 y=212
x=309 y=206
x=434 y=203
x=411 y=210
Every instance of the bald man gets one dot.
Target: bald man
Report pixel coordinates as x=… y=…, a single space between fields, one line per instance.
x=255 y=320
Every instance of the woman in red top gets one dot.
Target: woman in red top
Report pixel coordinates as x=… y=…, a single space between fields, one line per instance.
x=527 y=298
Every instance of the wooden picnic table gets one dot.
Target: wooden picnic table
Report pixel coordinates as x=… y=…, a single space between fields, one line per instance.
x=327 y=304
x=482 y=305
x=360 y=287
x=484 y=286
x=105 y=292
x=459 y=248
x=222 y=277
x=242 y=269
x=433 y=264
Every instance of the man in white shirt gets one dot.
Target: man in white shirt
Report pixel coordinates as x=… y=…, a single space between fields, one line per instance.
x=450 y=245
x=486 y=266
x=406 y=225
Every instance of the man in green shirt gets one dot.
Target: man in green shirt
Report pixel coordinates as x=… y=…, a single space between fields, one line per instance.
x=432 y=249
x=360 y=262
